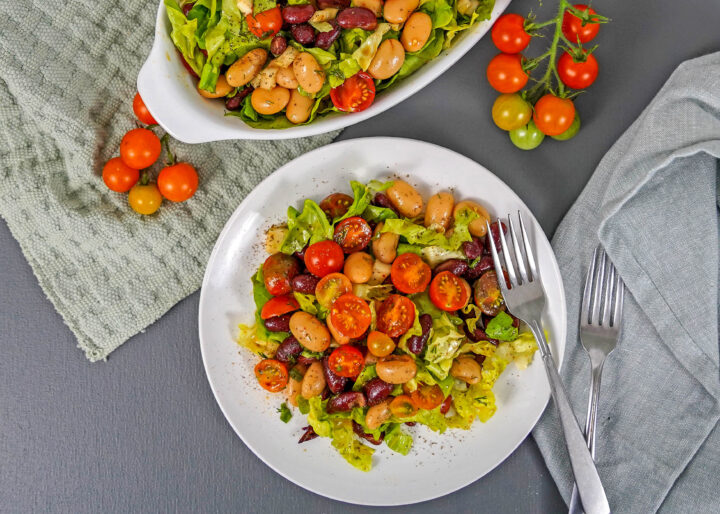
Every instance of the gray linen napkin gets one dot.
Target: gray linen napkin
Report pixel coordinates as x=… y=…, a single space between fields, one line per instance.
x=653 y=204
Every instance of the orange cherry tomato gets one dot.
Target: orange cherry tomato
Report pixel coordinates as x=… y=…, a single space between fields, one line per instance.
x=356 y=94
x=331 y=287
x=272 y=375
x=145 y=198
x=353 y=234
x=410 y=274
x=278 y=270
x=449 y=292
x=350 y=316
x=553 y=115
x=118 y=176
x=346 y=361
x=141 y=111
x=505 y=73
x=279 y=305
x=178 y=182
x=402 y=406
x=324 y=257
x=395 y=315
x=336 y=205
x=140 y=148
x=427 y=397
x=265 y=24
x=379 y=344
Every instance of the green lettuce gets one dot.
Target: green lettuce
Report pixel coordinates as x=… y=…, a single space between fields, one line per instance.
x=443 y=345
x=183 y=36
x=367 y=49
x=353 y=451
x=362 y=196
x=376 y=214
x=263 y=5
x=309 y=304
x=482 y=12
x=376 y=292
x=501 y=328
x=365 y=376
x=257 y=338
x=306 y=227
x=432 y=419
x=397 y=440
x=440 y=11
x=418 y=234
x=408 y=248
x=477 y=402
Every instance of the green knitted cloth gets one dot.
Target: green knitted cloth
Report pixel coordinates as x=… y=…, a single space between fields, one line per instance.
x=67 y=79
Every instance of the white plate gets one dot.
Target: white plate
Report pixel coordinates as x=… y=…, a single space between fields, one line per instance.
x=171 y=96
x=437 y=464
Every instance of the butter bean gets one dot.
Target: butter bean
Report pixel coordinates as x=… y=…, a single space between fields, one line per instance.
x=358 y=267
x=405 y=198
x=477 y=227
x=439 y=211
x=388 y=59
x=397 y=11
x=313 y=383
x=384 y=245
x=309 y=331
x=222 y=88
x=308 y=73
x=396 y=369
x=246 y=68
x=416 y=31
x=467 y=369
x=286 y=78
x=299 y=107
x=270 y=101
x=378 y=414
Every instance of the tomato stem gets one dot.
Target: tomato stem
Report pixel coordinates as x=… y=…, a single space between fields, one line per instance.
x=170 y=156
x=144 y=178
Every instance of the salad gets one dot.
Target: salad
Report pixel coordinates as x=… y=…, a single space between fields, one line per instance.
x=280 y=64
x=377 y=311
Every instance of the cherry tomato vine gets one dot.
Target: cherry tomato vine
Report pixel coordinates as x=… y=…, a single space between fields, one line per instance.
x=546 y=107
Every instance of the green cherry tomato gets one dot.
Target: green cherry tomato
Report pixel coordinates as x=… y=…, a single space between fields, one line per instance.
x=572 y=131
x=510 y=111
x=527 y=137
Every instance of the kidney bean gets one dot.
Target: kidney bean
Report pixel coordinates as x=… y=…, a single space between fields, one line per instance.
x=324 y=4
x=305 y=360
x=308 y=435
x=473 y=249
x=410 y=423
x=186 y=8
x=357 y=17
x=485 y=264
x=303 y=34
x=376 y=390
x=496 y=236
x=279 y=323
x=297 y=13
x=278 y=45
x=479 y=359
x=382 y=200
x=479 y=335
x=360 y=432
x=457 y=266
x=288 y=350
x=445 y=407
x=346 y=401
x=416 y=344
x=335 y=383
x=304 y=283
x=234 y=103
x=325 y=40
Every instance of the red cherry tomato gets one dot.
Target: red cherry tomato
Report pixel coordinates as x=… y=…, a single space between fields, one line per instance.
x=427 y=397
x=505 y=73
x=336 y=205
x=178 y=182
x=553 y=115
x=353 y=234
x=395 y=315
x=141 y=111
x=355 y=94
x=324 y=257
x=272 y=375
x=410 y=274
x=449 y=292
x=509 y=34
x=140 y=148
x=118 y=176
x=278 y=270
x=346 y=361
x=577 y=75
x=279 y=305
x=265 y=24
x=402 y=406
x=573 y=27
x=350 y=316
x=331 y=287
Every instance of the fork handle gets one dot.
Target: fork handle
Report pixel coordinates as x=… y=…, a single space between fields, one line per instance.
x=588 y=481
x=590 y=425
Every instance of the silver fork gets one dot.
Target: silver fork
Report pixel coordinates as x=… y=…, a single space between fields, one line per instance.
x=526 y=300
x=600 y=323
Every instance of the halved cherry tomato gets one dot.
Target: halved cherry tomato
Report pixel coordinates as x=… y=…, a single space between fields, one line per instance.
x=336 y=205
x=577 y=74
x=346 y=361
x=487 y=294
x=505 y=73
x=553 y=115
x=265 y=24
x=353 y=234
x=324 y=257
x=573 y=27
x=355 y=94
x=118 y=176
x=141 y=111
x=410 y=274
x=509 y=34
x=395 y=315
x=402 y=406
x=350 y=316
x=278 y=270
x=449 y=292
x=272 y=375
x=140 y=148
x=331 y=287
x=279 y=305
x=379 y=344
x=178 y=182
x=427 y=396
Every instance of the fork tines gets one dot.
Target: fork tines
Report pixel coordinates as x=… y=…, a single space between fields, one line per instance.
x=524 y=260
x=603 y=295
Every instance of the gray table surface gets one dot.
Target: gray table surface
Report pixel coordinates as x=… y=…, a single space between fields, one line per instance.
x=142 y=432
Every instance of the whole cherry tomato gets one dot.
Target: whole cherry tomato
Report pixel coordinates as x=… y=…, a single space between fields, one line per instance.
x=336 y=205
x=572 y=131
x=353 y=234
x=379 y=344
x=505 y=73
x=510 y=111
x=272 y=375
x=145 y=198
x=355 y=94
x=509 y=34
x=118 y=176
x=324 y=257
x=140 y=148
x=265 y=24
x=553 y=115
x=178 y=182
x=346 y=361
x=141 y=111
x=577 y=74
x=574 y=29
x=278 y=270
x=527 y=137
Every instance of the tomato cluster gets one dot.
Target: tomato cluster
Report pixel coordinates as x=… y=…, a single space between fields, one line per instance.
x=140 y=148
x=543 y=110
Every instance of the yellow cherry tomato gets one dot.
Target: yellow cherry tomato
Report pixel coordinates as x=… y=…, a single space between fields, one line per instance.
x=145 y=199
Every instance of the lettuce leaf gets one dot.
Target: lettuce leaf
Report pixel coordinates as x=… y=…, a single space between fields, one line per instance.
x=397 y=440
x=183 y=36
x=362 y=196
x=418 y=234
x=477 y=402
x=432 y=419
x=501 y=328
x=365 y=376
x=366 y=51
x=306 y=227
x=376 y=214
x=408 y=248
x=376 y=292
x=482 y=12
x=444 y=343
x=309 y=304
x=262 y=6
x=353 y=451
x=440 y=11
x=318 y=418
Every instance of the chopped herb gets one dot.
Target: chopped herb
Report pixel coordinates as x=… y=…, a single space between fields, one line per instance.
x=261 y=354
x=285 y=414
x=475 y=262
x=296 y=375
